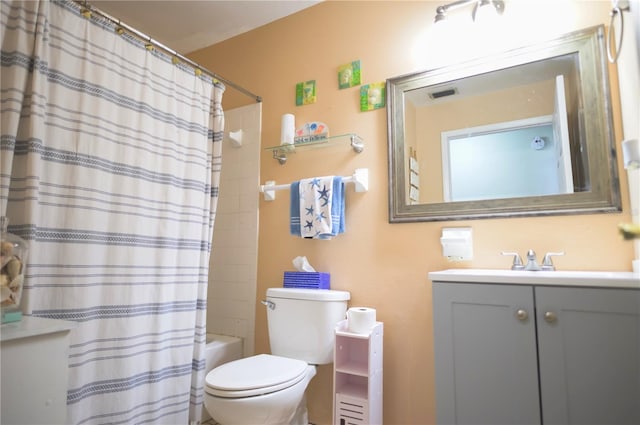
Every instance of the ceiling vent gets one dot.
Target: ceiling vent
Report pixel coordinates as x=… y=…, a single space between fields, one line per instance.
x=443 y=93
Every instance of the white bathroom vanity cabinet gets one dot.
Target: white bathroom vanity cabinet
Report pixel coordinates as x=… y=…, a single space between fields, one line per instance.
x=34 y=366
x=538 y=350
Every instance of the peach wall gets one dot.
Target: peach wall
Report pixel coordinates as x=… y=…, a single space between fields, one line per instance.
x=384 y=265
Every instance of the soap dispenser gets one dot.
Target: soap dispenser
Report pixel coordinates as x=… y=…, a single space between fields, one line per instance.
x=457 y=243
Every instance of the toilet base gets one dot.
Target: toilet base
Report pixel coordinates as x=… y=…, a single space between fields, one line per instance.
x=220 y=349
x=301 y=417
x=287 y=406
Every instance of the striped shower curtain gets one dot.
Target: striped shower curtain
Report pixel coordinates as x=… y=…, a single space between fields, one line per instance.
x=110 y=164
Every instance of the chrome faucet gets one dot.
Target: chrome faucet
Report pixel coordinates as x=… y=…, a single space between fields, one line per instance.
x=532 y=262
x=517 y=261
x=547 y=264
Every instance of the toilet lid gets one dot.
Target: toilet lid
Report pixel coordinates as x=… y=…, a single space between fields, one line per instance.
x=255 y=375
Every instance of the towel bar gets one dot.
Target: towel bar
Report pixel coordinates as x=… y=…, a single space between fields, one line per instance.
x=360 y=179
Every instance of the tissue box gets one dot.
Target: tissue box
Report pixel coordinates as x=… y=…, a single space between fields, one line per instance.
x=312 y=280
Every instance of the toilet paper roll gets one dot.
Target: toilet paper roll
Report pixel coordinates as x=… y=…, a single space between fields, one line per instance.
x=361 y=320
x=288 y=129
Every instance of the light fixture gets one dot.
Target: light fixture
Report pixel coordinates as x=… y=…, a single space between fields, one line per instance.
x=481 y=7
x=486 y=10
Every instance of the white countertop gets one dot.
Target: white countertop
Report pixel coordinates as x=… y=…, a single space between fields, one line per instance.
x=553 y=278
x=30 y=326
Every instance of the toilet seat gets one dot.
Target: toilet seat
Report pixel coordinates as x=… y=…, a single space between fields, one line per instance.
x=256 y=375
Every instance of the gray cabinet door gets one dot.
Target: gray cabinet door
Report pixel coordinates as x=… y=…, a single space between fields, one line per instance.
x=485 y=356
x=589 y=355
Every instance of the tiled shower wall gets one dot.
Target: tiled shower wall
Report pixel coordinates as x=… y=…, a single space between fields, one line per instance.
x=234 y=255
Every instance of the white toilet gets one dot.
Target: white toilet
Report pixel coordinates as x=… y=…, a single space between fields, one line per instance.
x=270 y=388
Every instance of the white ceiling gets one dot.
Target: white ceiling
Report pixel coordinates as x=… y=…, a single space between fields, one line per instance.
x=186 y=25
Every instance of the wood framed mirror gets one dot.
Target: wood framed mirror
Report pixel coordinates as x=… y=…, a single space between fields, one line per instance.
x=527 y=132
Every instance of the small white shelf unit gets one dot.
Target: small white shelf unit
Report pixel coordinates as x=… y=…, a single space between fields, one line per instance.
x=357 y=377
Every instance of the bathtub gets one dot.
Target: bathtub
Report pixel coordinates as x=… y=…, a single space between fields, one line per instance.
x=220 y=349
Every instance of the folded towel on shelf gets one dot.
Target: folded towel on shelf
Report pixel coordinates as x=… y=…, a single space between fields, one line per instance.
x=321 y=207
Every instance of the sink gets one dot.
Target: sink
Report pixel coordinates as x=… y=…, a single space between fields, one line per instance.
x=555 y=278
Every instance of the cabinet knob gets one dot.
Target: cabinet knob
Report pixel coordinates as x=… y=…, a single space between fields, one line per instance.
x=550 y=317
x=522 y=314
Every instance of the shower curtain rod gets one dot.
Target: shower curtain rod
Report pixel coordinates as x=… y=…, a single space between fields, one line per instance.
x=88 y=9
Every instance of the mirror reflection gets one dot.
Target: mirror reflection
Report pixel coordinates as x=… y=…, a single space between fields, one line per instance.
x=524 y=133
x=515 y=118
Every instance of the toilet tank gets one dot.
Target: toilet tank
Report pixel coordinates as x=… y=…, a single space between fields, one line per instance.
x=302 y=322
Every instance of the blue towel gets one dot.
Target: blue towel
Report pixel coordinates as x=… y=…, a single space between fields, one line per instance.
x=337 y=207
x=294 y=210
x=317 y=207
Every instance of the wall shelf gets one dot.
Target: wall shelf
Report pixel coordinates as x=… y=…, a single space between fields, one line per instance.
x=280 y=152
